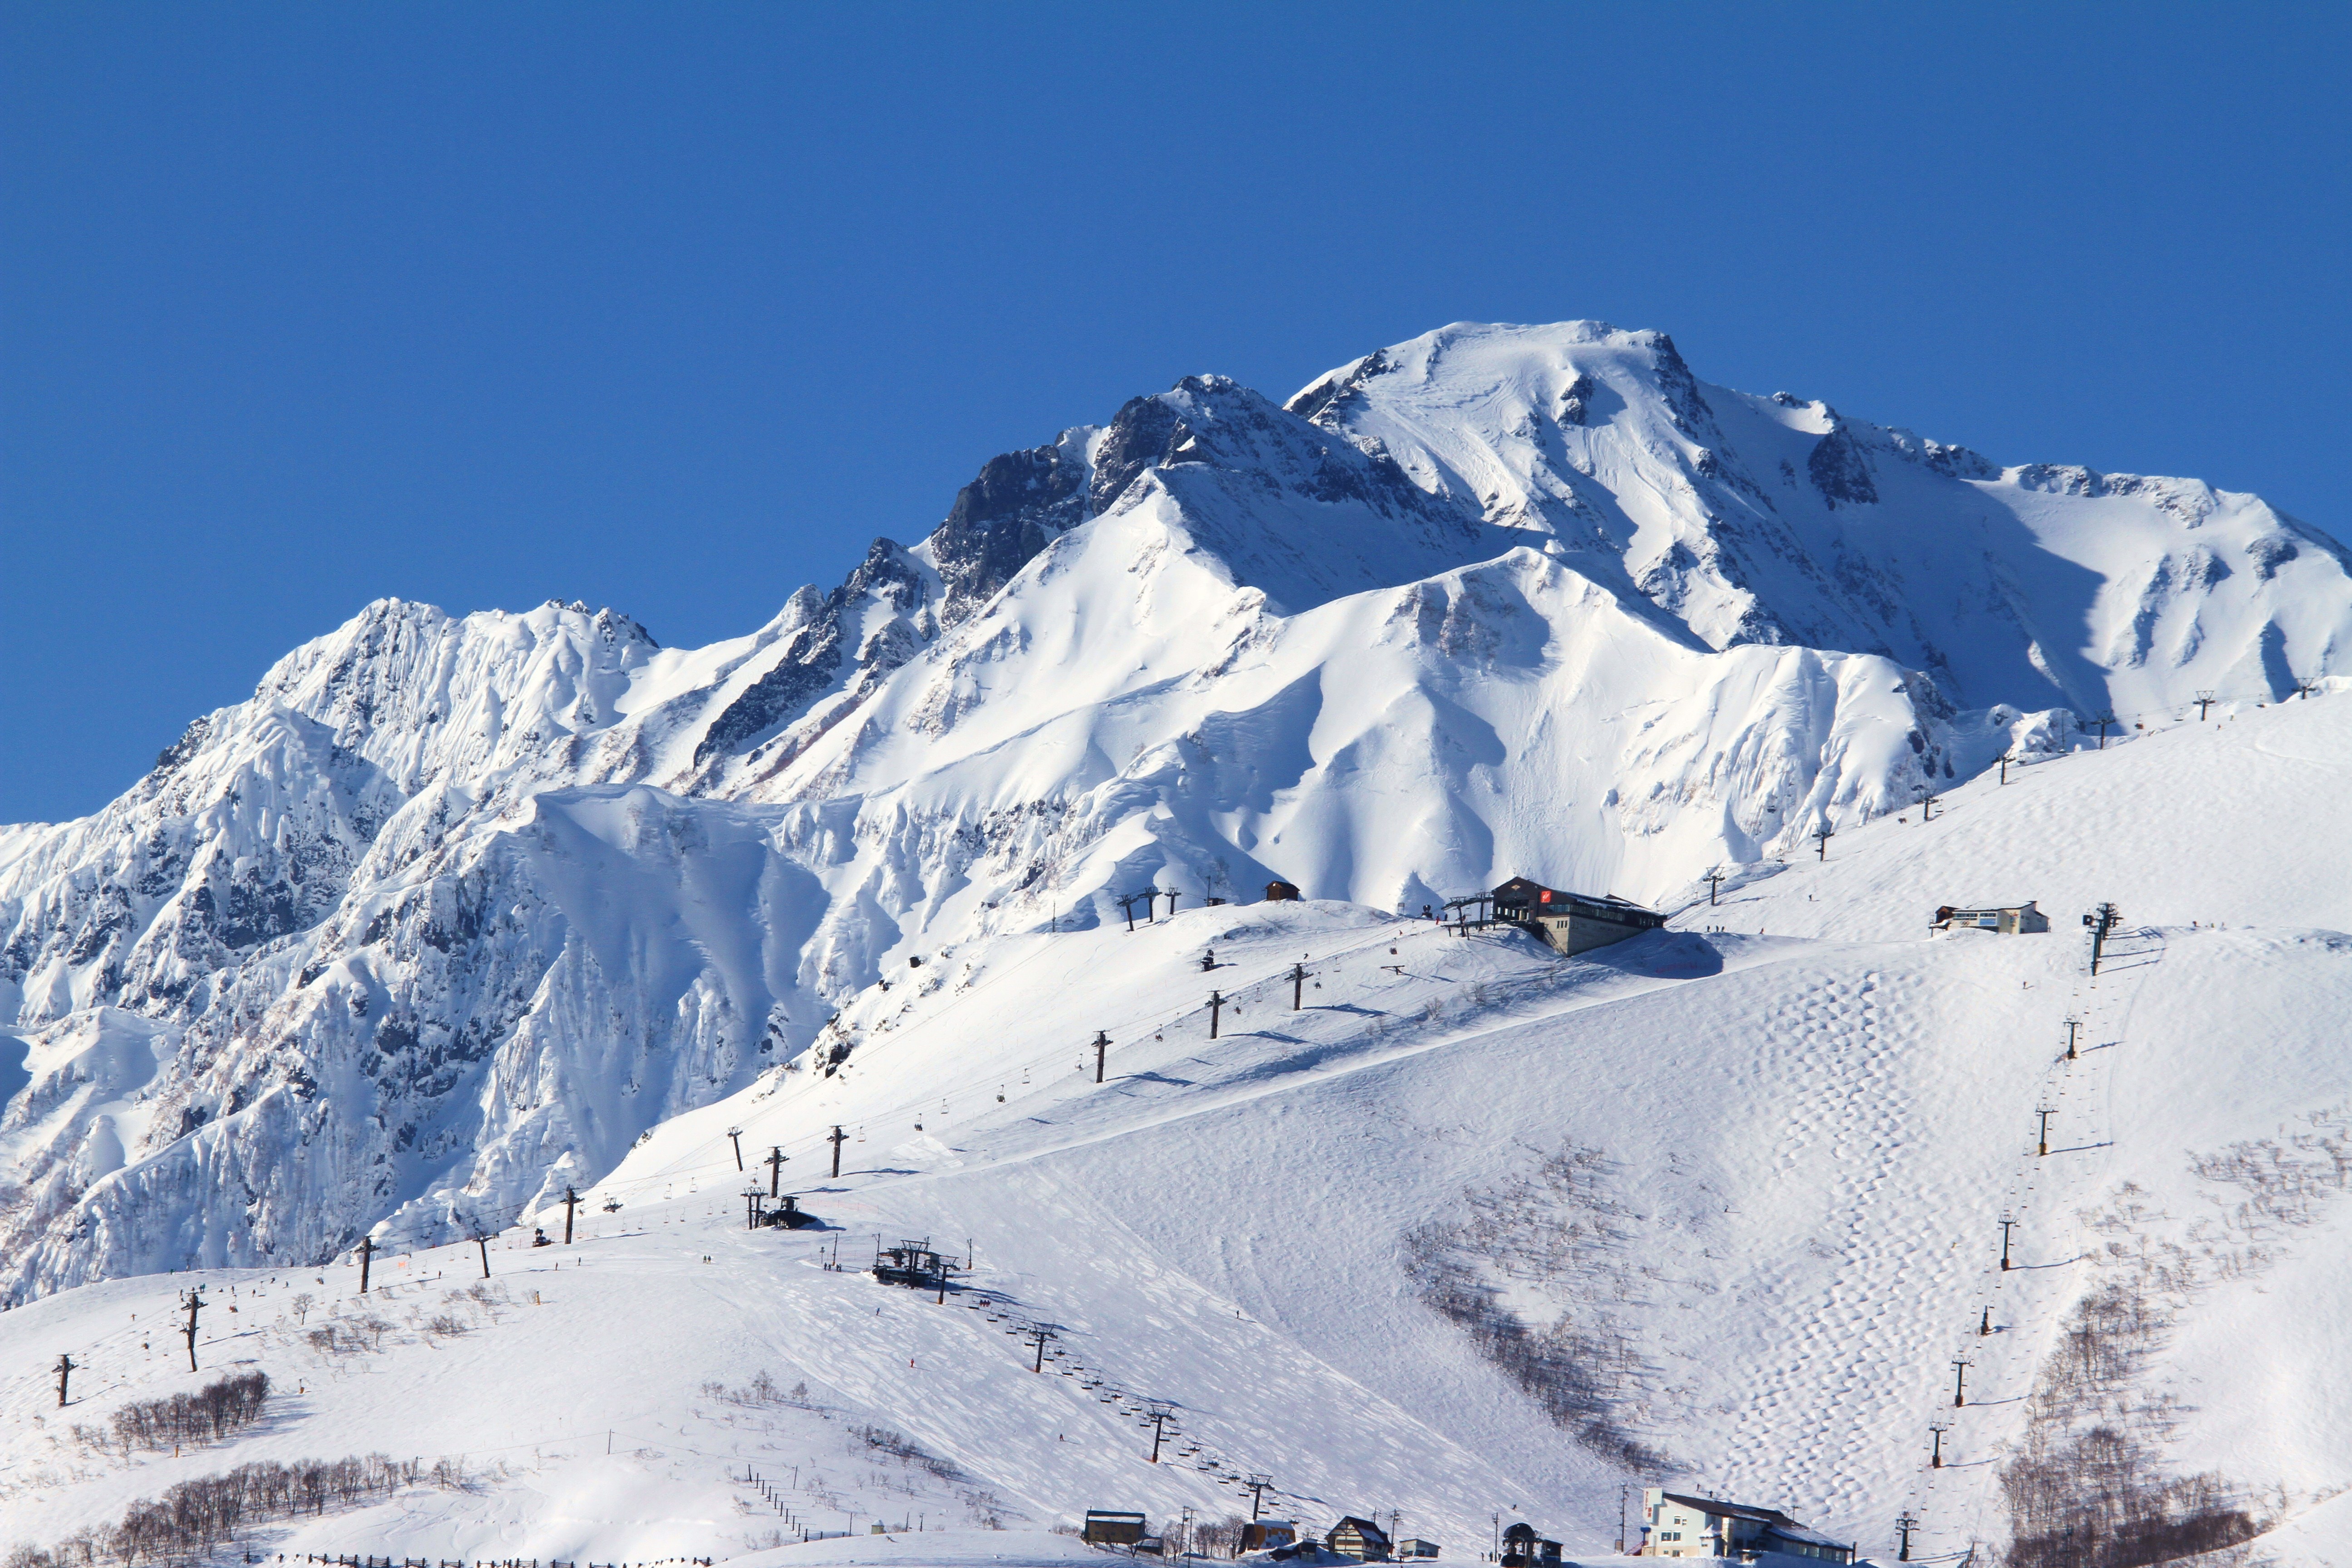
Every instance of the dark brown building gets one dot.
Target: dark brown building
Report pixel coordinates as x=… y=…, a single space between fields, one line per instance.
x=1572 y=922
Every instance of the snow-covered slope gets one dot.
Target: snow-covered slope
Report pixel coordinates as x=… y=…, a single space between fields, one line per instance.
x=454 y=911
x=1748 y=1185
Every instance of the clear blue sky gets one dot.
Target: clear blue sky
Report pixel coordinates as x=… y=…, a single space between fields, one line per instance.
x=674 y=307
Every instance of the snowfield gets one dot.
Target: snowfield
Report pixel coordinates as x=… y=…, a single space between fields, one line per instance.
x=457 y=914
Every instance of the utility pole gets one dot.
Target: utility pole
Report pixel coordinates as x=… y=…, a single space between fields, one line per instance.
x=2102 y=722
x=570 y=1202
x=2007 y=1225
x=2005 y=759
x=1160 y=1412
x=736 y=1135
x=1298 y=985
x=1935 y=1460
x=1928 y=801
x=367 y=1252
x=195 y=1301
x=1821 y=836
x=1907 y=1524
x=1044 y=1334
x=1714 y=881
x=2304 y=689
x=1961 y=1382
x=1215 y=1002
x=2204 y=701
x=482 y=1240
x=1257 y=1485
x=2073 y=1025
x=775 y=1164
x=2042 y=1144
x=1102 y=1044
x=1623 y=1490
x=66 y=1370
x=838 y=1138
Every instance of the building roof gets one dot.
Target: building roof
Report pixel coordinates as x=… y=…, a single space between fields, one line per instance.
x=1794 y=1531
x=1364 y=1527
x=1599 y=906
x=1730 y=1510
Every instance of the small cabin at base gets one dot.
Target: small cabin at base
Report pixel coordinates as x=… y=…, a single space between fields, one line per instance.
x=1107 y=1527
x=1413 y=1547
x=1359 y=1539
x=1677 y=1525
x=1523 y=1548
x=791 y=1216
x=2008 y=919
x=1260 y=1534
x=1282 y=893
x=1572 y=922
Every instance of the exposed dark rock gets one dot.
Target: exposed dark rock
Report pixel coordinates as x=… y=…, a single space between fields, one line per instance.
x=1145 y=434
x=815 y=655
x=1840 y=470
x=1329 y=400
x=999 y=522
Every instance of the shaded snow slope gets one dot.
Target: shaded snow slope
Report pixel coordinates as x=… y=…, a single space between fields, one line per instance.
x=1784 y=1228
x=455 y=908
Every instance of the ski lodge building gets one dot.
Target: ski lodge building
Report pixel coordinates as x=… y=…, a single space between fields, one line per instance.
x=2008 y=919
x=1359 y=1539
x=1675 y=1525
x=1572 y=922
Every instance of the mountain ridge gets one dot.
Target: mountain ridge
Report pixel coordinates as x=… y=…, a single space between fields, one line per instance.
x=1496 y=599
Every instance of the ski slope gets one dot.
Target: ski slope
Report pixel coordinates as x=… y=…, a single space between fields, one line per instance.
x=1809 y=1124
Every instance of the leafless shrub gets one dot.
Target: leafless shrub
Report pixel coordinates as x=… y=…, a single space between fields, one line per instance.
x=302 y=1305
x=1557 y=1228
x=2100 y=1500
x=336 y=1340
x=1218 y=1537
x=762 y=1393
x=443 y=1324
x=907 y=1451
x=198 y=1515
x=224 y=1406
x=2089 y=1490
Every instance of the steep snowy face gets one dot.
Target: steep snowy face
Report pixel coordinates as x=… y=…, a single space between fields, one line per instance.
x=454 y=909
x=247 y=830
x=1777 y=520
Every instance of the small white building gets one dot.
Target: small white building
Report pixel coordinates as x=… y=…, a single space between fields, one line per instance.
x=1674 y=1524
x=2008 y=919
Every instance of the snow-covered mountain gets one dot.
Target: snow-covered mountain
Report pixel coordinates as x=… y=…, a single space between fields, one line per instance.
x=453 y=911
x=1472 y=1231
